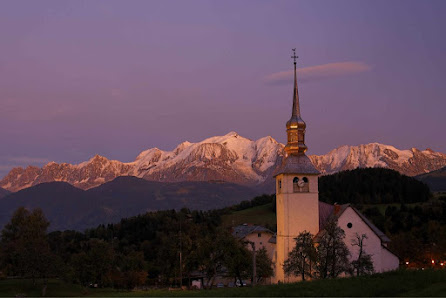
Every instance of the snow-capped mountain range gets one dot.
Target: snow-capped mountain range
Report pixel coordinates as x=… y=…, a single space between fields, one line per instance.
x=229 y=158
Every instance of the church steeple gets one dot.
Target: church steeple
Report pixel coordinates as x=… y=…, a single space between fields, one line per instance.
x=296 y=107
x=295 y=127
x=297 y=199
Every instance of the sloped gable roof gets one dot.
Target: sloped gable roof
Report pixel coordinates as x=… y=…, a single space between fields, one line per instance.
x=242 y=231
x=325 y=211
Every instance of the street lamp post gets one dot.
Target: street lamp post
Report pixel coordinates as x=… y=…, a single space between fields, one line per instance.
x=254 y=265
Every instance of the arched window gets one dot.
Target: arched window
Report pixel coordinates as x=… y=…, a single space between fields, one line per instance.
x=306 y=186
x=280 y=185
x=295 y=184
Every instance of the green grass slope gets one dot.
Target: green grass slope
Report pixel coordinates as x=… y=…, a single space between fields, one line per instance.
x=259 y=215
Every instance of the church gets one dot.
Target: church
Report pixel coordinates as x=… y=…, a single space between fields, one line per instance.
x=299 y=209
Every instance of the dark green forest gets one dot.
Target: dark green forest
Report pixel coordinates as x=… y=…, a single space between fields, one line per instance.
x=146 y=249
x=371 y=186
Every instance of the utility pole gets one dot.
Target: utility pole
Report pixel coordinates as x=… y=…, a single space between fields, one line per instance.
x=254 y=265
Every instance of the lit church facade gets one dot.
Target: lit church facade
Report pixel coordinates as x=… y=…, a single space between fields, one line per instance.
x=298 y=207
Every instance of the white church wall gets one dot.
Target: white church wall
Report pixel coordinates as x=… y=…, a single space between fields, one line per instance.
x=296 y=212
x=388 y=260
x=301 y=213
x=372 y=245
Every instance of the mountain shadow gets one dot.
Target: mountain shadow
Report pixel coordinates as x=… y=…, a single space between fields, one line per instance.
x=68 y=207
x=4 y=192
x=436 y=180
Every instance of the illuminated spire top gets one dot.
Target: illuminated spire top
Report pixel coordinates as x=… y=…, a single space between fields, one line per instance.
x=296 y=107
x=295 y=127
x=295 y=161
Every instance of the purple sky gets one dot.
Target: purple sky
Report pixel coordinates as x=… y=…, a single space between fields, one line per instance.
x=79 y=78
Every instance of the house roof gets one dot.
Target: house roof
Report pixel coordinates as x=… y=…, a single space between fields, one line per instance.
x=244 y=230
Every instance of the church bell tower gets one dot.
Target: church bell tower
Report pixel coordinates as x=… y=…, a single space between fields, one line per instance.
x=297 y=198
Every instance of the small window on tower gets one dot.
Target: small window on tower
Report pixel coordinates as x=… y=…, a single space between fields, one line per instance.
x=304 y=187
x=259 y=235
x=296 y=184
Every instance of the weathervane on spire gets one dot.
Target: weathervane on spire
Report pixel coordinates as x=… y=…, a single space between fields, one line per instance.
x=294 y=56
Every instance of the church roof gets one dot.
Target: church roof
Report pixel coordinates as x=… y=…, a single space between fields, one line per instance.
x=325 y=211
x=296 y=164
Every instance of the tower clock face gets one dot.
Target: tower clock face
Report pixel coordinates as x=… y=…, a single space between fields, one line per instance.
x=301 y=183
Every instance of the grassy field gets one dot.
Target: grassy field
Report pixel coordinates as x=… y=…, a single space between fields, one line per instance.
x=391 y=284
x=259 y=215
x=263 y=215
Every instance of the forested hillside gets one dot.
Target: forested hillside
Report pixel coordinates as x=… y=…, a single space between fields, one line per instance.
x=371 y=186
x=144 y=249
x=436 y=180
x=71 y=208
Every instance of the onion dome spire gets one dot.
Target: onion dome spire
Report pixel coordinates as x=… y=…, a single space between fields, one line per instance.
x=295 y=127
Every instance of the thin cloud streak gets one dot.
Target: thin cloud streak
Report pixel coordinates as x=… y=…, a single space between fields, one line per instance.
x=318 y=72
x=7 y=163
x=29 y=160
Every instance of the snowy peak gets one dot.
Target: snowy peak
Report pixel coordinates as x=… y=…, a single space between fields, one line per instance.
x=181 y=147
x=230 y=157
x=409 y=162
x=232 y=134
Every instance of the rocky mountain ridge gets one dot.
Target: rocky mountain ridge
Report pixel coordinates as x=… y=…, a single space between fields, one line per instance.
x=230 y=158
